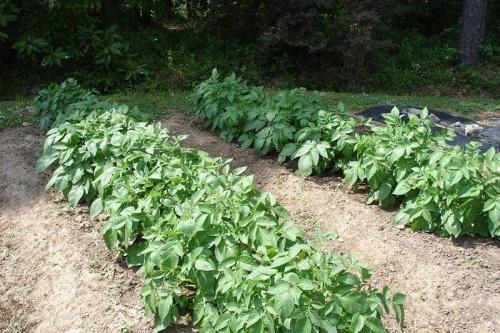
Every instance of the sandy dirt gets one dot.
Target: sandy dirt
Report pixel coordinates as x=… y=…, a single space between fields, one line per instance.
x=57 y=276
x=451 y=286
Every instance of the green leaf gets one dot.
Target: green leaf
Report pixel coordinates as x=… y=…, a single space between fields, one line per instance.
x=258 y=327
x=384 y=191
x=284 y=304
x=401 y=189
x=375 y=325
x=134 y=258
x=306 y=284
x=287 y=151
x=354 y=302
x=358 y=322
x=302 y=325
x=280 y=261
x=424 y=114
x=198 y=311
x=351 y=176
x=489 y=205
x=396 y=154
x=279 y=289
x=203 y=264
x=96 y=207
x=457 y=177
x=305 y=165
x=74 y=195
x=223 y=321
x=253 y=317
x=164 y=306
x=436 y=156
x=490 y=154
x=44 y=162
x=304 y=149
x=402 y=218
x=398 y=302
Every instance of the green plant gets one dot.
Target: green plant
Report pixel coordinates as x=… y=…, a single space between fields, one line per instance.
x=390 y=158
x=206 y=239
x=455 y=193
x=264 y=123
x=8 y=14
x=326 y=145
x=386 y=156
x=31 y=48
x=79 y=147
x=57 y=103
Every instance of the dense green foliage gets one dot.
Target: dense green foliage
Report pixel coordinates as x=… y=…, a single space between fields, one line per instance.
x=450 y=191
x=57 y=103
x=394 y=46
x=206 y=239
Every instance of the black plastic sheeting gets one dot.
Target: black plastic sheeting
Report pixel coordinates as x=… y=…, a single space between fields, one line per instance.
x=488 y=136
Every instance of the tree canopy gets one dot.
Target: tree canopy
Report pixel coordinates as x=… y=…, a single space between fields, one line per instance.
x=340 y=44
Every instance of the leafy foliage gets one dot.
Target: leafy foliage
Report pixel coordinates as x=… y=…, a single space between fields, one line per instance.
x=397 y=160
x=395 y=46
x=386 y=156
x=56 y=103
x=457 y=192
x=44 y=41
x=206 y=239
x=246 y=113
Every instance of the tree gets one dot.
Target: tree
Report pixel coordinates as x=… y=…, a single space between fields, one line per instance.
x=472 y=32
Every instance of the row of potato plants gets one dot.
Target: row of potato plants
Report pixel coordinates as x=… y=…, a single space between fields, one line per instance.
x=447 y=190
x=207 y=242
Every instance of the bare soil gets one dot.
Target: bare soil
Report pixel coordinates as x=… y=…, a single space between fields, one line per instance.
x=57 y=276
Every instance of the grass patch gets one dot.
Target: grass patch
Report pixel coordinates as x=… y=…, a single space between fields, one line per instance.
x=153 y=104
x=156 y=103
x=464 y=106
x=15 y=112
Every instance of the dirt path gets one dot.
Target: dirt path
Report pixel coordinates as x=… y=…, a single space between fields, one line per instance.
x=57 y=276
x=451 y=286
x=55 y=273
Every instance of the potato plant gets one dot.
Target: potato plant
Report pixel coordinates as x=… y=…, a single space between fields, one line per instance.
x=245 y=113
x=78 y=147
x=457 y=192
x=56 y=103
x=205 y=239
x=386 y=156
x=403 y=161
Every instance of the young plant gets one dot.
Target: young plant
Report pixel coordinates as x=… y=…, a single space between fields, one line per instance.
x=386 y=156
x=395 y=159
x=58 y=103
x=456 y=193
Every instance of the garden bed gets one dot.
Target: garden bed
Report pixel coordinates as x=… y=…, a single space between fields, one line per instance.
x=451 y=286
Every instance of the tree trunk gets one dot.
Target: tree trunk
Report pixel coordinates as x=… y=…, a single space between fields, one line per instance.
x=472 y=32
